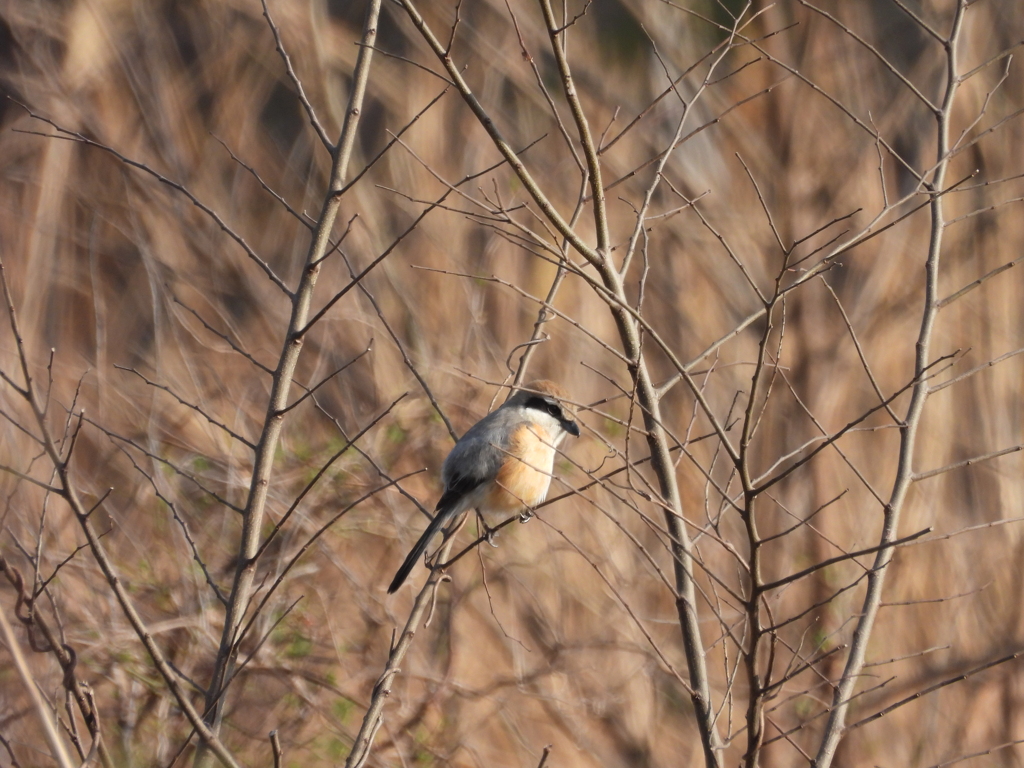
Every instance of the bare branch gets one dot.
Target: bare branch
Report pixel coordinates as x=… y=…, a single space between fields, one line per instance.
x=303 y=99
x=311 y=541
x=583 y=127
x=394 y=139
x=839 y=559
x=299 y=333
x=764 y=205
x=189 y=405
x=976 y=369
x=970 y=529
x=259 y=180
x=914 y=655
x=181 y=524
x=245 y=572
x=113 y=436
x=919 y=21
x=877 y=54
x=761 y=484
x=74 y=136
x=700 y=129
x=932 y=688
x=904 y=472
x=22 y=476
x=995 y=127
x=236 y=347
x=980 y=753
x=70 y=494
x=275 y=745
x=860 y=351
x=405 y=355
x=322 y=471
x=57 y=749
x=499 y=140
x=309 y=392
x=1001 y=55
x=966 y=462
x=626 y=607
x=986 y=209
x=382 y=689
x=542 y=87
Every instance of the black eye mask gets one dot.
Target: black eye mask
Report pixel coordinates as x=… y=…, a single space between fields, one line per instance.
x=555 y=410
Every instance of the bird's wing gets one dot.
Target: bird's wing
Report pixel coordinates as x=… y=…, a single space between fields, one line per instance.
x=474 y=460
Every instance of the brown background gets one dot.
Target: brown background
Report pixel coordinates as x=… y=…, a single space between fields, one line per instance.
x=103 y=259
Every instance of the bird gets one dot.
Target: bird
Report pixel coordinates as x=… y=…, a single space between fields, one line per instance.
x=503 y=464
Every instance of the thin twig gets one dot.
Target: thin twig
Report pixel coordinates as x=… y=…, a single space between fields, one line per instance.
x=966 y=462
x=74 y=136
x=932 y=688
x=303 y=99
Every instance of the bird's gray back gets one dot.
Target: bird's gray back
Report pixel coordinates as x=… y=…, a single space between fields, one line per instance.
x=480 y=452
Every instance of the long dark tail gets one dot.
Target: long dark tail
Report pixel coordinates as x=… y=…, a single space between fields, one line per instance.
x=442 y=517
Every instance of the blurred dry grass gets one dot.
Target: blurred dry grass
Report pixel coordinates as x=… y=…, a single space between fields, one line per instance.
x=104 y=262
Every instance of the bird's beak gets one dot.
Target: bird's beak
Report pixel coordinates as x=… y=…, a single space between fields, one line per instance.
x=571 y=427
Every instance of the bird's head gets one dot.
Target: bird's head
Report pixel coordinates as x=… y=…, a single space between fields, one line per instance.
x=549 y=399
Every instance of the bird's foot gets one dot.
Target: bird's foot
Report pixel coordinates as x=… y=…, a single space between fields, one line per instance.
x=490 y=534
x=526 y=516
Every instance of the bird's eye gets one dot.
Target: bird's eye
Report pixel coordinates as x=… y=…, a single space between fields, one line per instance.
x=554 y=410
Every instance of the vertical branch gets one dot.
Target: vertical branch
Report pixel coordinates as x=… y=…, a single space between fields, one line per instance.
x=614 y=294
x=580 y=118
x=908 y=431
x=373 y=718
x=755 y=630
x=758 y=684
x=647 y=395
x=253 y=514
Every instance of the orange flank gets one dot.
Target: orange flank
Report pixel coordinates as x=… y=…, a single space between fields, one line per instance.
x=523 y=480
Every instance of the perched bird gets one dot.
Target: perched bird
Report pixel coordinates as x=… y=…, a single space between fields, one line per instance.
x=503 y=463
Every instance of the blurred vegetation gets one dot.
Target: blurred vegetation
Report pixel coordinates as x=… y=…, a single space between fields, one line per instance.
x=113 y=270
